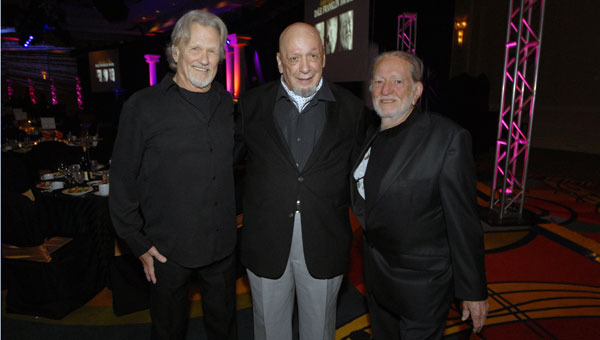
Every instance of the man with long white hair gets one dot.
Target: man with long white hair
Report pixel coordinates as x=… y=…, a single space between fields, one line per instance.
x=414 y=195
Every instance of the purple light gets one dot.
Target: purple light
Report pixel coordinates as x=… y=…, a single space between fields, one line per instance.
x=78 y=91
x=259 y=74
x=152 y=59
x=9 y=89
x=53 y=92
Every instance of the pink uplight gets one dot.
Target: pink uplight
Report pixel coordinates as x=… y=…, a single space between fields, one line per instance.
x=53 y=92
x=9 y=89
x=32 y=91
x=78 y=92
x=152 y=59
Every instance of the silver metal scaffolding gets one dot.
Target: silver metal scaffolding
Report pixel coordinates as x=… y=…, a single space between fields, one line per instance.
x=407 y=33
x=521 y=65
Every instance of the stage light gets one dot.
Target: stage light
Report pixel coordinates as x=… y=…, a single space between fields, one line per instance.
x=152 y=59
x=26 y=44
x=460 y=26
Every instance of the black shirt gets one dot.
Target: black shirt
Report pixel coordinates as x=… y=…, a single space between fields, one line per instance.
x=171 y=174
x=301 y=130
x=383 y=148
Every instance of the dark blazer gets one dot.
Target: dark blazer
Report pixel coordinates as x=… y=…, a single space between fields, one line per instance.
x=423 y=237
x=273 y=185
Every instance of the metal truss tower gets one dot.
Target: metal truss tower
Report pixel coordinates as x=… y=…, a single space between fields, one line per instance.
x=407 y=33
x=521 y=65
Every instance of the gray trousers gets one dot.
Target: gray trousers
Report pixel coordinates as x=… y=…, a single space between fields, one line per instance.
x=273 y=300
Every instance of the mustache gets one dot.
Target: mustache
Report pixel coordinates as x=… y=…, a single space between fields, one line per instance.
x=380 y=98
x=206 y=67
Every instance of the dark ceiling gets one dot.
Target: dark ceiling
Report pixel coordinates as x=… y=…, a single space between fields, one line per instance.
x=93 y=23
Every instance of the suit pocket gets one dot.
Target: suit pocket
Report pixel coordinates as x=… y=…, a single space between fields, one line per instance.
x=418 y=262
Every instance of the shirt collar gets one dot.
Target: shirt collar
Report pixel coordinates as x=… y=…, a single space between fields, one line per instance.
x=299 y=101
x=166 y=83
x=323 y=93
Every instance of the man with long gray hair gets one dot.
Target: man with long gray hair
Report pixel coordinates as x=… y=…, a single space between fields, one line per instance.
x=414 y=195
x=172 y=195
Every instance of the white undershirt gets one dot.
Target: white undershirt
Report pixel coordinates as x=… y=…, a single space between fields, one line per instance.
x=359 y=173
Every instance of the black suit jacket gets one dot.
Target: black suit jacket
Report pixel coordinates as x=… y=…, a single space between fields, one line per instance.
x=273 y=185
x=424 y=240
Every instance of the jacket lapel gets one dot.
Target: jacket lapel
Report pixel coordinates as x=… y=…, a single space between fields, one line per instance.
x=409 y=146
x=329 y=133
x=267 y=106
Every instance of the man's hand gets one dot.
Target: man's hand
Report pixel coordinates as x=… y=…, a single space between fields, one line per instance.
x=147 y=259
x=477 y=310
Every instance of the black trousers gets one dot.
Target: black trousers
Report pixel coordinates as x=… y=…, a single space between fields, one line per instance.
x=169 y=302
x=390 y=326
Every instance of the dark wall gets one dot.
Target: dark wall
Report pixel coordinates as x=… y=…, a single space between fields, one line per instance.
x=133 y=71
x=263 y=24
x=434 y=38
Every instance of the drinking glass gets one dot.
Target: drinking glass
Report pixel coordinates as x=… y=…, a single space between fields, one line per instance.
x=62 y=169
x=79 y=177
x=71 y=170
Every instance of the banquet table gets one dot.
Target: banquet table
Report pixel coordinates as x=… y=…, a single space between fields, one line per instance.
x=81 y=268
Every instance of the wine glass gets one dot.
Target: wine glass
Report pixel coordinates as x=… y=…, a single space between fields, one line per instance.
x=71 y=170
x=79 y=177
x=62 y=169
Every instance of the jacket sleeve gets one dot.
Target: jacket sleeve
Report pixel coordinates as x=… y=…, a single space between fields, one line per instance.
x=124 y=199
x=465 y=233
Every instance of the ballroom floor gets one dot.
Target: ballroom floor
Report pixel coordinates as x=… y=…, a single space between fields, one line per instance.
x=543 y=278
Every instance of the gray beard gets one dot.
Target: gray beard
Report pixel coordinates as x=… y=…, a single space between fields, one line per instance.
x=305 y=93
x=198 y=83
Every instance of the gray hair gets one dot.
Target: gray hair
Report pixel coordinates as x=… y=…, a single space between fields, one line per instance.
x=182 y=29
x=416 y=65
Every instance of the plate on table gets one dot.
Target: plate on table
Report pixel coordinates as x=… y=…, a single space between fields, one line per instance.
x=51 y=175
x=44 y=185
x=58 y=174
x=99 y=173
x=95 y=183
x=97 y=193
x=77 y=191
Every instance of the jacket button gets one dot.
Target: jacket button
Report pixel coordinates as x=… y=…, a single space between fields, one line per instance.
x=291 y=215
x=300 y=179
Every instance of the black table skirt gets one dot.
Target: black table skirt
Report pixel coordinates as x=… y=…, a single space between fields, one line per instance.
x=80 y=269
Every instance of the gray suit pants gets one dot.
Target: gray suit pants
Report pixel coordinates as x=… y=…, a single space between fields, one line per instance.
x=273 y=300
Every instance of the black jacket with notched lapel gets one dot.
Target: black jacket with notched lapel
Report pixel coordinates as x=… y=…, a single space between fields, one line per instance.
x=273 y=185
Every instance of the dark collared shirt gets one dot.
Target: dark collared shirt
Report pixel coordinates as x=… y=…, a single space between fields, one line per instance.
x=172 y=176
x=301 y=130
